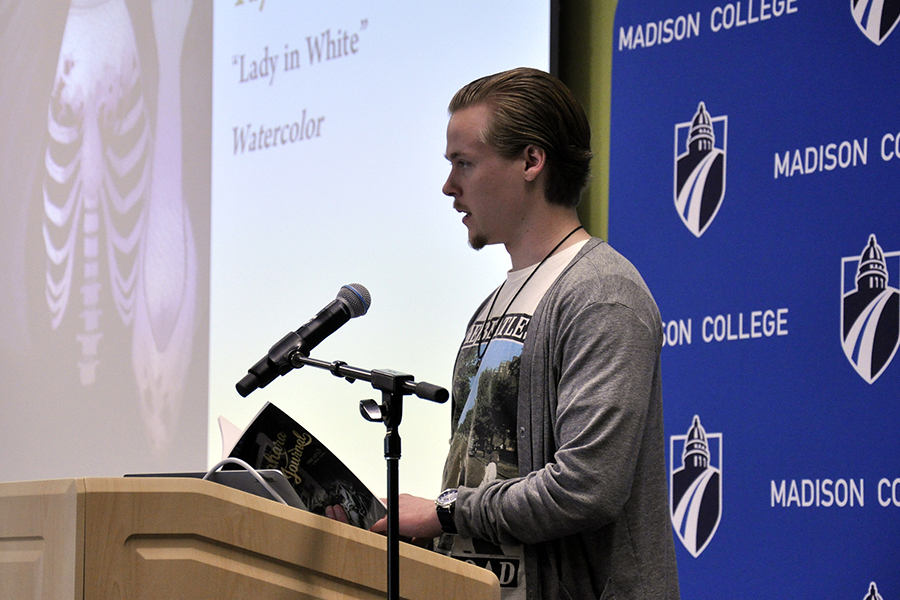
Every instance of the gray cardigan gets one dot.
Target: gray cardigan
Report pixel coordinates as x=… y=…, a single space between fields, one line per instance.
x=591 y=502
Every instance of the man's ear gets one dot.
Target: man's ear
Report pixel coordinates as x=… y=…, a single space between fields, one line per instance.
x=535 y=161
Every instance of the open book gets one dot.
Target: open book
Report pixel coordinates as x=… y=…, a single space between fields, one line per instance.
x=273 y=440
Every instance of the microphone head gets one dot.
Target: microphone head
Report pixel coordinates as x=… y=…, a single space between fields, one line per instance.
x=356 y=297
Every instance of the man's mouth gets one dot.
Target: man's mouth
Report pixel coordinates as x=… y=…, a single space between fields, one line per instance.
x=461 y=209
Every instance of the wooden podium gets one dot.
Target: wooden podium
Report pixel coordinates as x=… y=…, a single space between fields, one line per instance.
x=172 y=538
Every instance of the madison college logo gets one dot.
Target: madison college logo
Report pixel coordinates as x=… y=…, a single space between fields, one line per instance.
x=700 y=170
x=695 y=489
x=873 y=593
x=870 y=310
x=876 y=18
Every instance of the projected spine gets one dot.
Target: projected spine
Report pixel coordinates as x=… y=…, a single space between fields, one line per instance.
x=97 y=173
x=116 y=226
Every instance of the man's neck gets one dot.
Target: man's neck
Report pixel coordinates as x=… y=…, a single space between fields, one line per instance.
x=539 y=238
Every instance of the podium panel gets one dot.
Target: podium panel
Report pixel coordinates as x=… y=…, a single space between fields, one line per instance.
x=135 y=538
x=40 y=537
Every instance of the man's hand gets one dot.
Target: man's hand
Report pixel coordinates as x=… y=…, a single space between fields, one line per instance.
x=337 y=513
x=418 y=518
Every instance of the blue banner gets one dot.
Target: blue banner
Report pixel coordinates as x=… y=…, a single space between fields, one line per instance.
x=755 y=183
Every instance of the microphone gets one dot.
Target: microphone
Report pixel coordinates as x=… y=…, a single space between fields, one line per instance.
x=352 y=300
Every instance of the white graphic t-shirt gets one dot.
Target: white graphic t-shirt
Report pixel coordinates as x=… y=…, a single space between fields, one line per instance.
x=485 y=398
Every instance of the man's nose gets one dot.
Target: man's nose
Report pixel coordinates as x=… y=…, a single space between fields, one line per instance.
x=449 y=188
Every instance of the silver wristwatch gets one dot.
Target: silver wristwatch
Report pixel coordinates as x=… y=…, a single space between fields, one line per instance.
x=446 y=506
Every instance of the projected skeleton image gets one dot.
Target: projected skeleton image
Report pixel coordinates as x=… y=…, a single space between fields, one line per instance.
x=116 y=227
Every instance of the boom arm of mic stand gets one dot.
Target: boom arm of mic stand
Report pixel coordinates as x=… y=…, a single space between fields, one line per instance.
x=422 y=389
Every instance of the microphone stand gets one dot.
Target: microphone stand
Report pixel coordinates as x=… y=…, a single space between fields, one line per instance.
x=393 y=387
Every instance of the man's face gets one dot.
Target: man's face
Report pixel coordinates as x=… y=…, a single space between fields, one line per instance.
x=486 y=187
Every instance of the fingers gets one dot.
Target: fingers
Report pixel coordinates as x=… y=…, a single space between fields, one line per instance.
x=380 y=527
x=337 y=513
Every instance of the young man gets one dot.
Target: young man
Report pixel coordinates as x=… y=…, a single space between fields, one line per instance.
x=555 y=476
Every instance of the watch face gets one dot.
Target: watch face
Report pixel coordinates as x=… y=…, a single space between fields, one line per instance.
x=447 y=498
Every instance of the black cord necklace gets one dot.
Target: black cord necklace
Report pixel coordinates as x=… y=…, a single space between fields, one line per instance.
x=487 y=318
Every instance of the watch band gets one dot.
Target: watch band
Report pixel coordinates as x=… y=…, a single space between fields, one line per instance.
x=446 y=508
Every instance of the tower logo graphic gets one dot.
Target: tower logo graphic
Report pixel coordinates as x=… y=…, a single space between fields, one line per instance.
x=873 y=593
x=700 y=169
x=870 y=309
x=876 y=18
x=695 y=489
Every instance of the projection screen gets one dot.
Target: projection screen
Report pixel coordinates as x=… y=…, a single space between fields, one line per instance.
x=183 y=183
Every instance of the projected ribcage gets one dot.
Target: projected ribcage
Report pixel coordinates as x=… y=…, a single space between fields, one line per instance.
x=97 y=178
x=115 y=223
